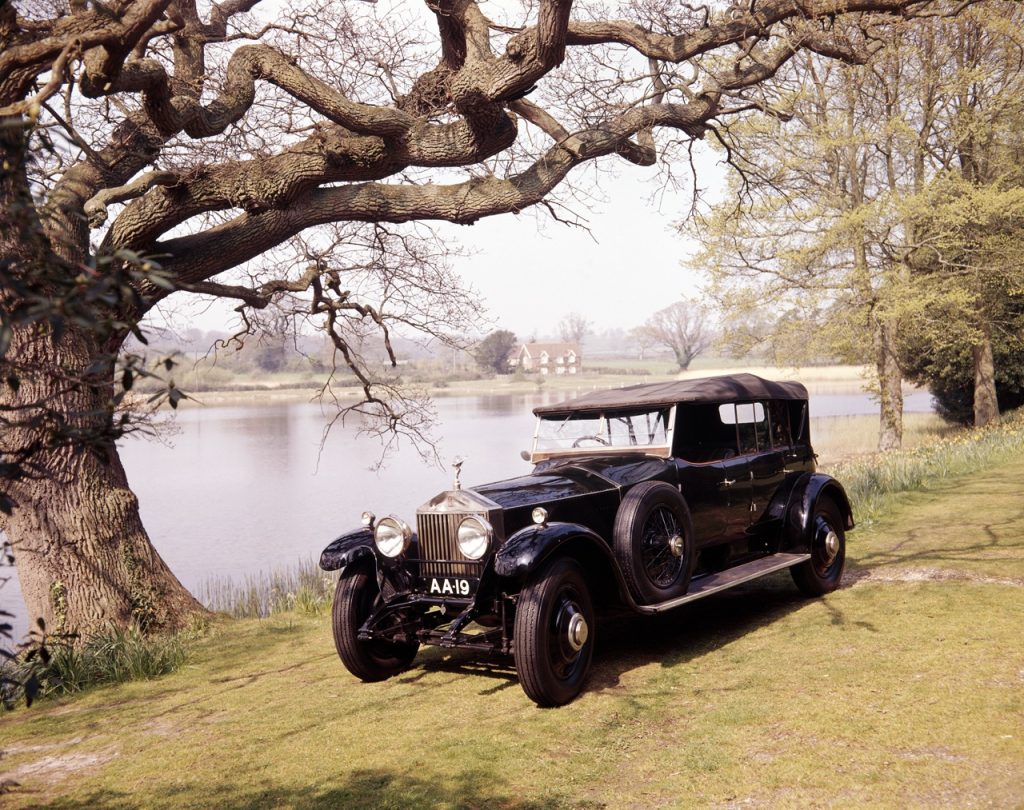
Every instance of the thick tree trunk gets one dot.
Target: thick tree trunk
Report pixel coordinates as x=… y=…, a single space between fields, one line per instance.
x=83 y=557
x=890 y=390
x=986 y=404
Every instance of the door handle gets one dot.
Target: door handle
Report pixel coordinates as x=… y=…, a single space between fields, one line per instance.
x=728 y=482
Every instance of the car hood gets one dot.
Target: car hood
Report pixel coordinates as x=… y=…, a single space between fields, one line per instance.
x=557 y=479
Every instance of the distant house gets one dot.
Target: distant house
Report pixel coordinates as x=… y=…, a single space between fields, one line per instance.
x=548 y=358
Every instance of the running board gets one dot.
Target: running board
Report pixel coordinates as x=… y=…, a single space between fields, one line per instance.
x=730 y=578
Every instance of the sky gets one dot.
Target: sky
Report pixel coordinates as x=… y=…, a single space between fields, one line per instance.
x=531 y=274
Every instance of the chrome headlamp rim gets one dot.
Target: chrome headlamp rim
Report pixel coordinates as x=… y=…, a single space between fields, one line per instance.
x=392 y=536
x=473 y=537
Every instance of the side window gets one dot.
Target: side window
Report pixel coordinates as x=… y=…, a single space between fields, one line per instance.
x=798 y=422
x=750 y=422
x=703 y=434
x=778 y=415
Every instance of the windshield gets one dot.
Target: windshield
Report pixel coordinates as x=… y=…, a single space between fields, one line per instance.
x=645 y=431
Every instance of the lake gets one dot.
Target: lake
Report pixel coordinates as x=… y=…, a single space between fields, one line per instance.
x=235 y=490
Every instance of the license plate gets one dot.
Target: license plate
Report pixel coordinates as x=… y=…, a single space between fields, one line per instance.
x=450 y=586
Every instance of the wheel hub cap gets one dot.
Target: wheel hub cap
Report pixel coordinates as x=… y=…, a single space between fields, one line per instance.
x=675 y=545
x=577 y=632
x=831 y=545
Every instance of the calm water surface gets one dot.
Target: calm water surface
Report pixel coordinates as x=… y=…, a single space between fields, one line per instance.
x=236 y=490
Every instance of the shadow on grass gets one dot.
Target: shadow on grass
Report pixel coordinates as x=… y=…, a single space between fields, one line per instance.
x=626 y=641
x=978 y=540
x=378 y=789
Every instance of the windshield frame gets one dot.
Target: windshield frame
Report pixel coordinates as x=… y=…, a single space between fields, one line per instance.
x=658 y=450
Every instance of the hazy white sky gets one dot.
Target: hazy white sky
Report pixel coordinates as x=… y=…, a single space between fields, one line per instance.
x=624 y=269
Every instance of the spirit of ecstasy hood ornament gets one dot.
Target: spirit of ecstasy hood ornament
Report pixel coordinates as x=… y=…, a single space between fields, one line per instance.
x=457 y=466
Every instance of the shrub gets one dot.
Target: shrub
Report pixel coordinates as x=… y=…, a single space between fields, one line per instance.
x=110 y=656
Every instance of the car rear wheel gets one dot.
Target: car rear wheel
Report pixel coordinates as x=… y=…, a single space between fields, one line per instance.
x=354 y=598
x=654 y=542
x=822 y=573
x=554 y=633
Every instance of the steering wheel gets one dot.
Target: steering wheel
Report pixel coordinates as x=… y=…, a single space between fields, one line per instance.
x=592 y=438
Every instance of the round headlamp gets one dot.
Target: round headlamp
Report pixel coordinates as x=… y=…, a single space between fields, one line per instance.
x=392 y=536
x=474 y=537
x=539 y=515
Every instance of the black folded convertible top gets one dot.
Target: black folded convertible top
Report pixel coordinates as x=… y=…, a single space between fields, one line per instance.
x=730 y=388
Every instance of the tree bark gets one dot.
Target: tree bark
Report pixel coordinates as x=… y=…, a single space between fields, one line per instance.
x=890 y=390
x=986 y=403
x=83 y=557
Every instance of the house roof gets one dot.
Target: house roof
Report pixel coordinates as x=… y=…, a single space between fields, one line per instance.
x=730 y=388
x=553 y=349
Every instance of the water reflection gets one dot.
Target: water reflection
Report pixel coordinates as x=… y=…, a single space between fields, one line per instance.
x=240 y=489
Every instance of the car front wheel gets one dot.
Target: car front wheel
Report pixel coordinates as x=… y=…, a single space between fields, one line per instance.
x=554 y=633
x=354 y=597
x=822 y=573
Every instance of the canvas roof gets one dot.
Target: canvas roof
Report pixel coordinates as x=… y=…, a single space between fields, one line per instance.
x=730 y=388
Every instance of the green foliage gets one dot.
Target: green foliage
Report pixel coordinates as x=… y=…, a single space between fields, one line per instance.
x=494 y=351
x=883 y=215
x=59 y=666
x=946 y=367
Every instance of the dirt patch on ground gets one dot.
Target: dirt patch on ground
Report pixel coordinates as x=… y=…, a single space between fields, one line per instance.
x=927 y=574
x=57 y=766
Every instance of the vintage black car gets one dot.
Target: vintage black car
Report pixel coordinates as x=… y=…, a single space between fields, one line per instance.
x=646 y=497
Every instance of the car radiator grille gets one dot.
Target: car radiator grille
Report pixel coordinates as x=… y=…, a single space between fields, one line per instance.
x=439 y=550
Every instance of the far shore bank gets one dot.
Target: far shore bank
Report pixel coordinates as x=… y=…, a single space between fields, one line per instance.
x=837 y=379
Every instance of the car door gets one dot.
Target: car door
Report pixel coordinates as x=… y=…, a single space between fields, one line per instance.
x=736 y=485
x=706 y=458
x=701 y=486
x=767 y=464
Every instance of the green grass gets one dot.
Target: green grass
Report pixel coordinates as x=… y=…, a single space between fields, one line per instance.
x=110 y=656
x=872 y=482
x=902 y=689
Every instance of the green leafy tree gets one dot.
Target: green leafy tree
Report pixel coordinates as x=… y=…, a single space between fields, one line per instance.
x=495 y=350
x=850 y=231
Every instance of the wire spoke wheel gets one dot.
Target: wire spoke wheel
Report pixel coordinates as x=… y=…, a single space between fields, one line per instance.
x=653 y=537
x=660 y=548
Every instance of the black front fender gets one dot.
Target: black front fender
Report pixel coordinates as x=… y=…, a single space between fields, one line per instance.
x=346 y=549
x=809 y=489
x=529 y=547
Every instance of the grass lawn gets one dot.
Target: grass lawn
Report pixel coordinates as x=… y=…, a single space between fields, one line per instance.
x=904 y=688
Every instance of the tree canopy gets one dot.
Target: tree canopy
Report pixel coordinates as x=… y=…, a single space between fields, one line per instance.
x=494 y=351
x=879 y=211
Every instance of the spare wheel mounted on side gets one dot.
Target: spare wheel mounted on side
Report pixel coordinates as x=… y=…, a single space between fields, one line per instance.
x=653 y=539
